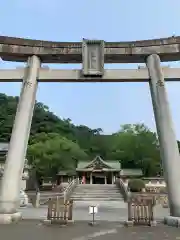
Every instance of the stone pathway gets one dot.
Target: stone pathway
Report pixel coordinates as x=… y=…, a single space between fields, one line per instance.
x=82 y=231
x=109 y=219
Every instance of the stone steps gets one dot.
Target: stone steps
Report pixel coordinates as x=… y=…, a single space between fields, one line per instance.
x=96 y=199
x=96 y=192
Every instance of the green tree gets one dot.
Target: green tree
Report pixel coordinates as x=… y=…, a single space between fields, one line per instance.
x=51 y=152
x=137 y=147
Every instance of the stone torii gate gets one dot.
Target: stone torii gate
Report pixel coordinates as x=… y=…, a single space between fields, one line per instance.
x=92 y=54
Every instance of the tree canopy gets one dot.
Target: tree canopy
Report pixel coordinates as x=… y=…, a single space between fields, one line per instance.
x=56 y=144
x=49 y=153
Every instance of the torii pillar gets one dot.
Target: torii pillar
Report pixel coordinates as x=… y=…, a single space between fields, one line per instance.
x=10 y=186
x=167 y=138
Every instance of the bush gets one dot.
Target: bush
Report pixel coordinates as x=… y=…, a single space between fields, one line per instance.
x=136 y=185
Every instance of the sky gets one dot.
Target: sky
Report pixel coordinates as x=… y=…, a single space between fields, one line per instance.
x=97 y=105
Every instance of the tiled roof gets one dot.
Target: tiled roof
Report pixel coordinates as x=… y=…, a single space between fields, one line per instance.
x=110 y=163
x=131 y=172
x=67 y=173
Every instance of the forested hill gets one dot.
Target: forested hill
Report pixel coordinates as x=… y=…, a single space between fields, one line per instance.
x=43 y=121
x=57 y=143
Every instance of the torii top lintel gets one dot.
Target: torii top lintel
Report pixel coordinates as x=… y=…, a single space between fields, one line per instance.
x=19 y=49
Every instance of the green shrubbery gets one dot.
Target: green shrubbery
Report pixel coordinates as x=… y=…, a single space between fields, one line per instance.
x=136 y=185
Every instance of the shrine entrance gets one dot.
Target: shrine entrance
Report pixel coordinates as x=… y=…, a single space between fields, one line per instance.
x=98 y=178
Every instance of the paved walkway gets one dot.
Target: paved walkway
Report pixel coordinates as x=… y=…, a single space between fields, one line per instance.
x=109 y=225
x=29 y=230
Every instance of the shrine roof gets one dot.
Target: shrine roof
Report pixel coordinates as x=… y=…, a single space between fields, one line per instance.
x=109 y=164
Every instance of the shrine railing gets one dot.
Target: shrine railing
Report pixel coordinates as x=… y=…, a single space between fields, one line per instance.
x=70 y=188
x=123 y=189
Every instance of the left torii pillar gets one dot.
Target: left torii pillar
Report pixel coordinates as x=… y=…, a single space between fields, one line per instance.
x=10 y=185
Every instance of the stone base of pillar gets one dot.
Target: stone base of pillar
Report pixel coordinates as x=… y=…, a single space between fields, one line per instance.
x=172 y=221
x=8 y=218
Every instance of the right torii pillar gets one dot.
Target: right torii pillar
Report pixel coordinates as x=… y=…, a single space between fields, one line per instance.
x=167 y=138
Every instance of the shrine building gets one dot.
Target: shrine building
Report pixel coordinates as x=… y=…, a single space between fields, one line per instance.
x=99 y=171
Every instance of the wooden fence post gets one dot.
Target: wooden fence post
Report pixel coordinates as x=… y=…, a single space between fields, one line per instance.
x=140 y=210
x=70 y=210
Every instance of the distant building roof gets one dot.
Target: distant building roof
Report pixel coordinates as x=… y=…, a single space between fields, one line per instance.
x=4 y=146
x=131 y=172
x=153 y=178
x=67 y=173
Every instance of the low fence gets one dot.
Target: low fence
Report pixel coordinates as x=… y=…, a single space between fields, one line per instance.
x=159 y=198
x=59 y=211
x=158 y=186
x=140 y=210
x=159 y=191
x=156 y=189
x=162 y=199
x=42 y=198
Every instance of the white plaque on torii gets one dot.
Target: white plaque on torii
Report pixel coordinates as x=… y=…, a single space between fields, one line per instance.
x=92 y=57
